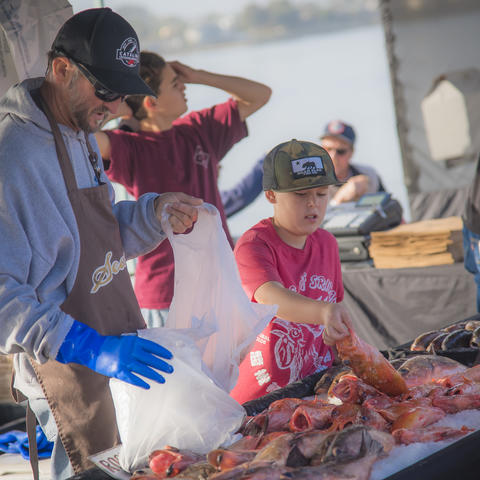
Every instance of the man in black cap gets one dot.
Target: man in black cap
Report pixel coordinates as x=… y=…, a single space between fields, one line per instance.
x=65 y=293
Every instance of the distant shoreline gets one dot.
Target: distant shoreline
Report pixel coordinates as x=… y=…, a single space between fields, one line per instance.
x=323 y=28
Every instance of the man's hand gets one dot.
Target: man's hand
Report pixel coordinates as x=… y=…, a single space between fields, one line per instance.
x=337 y=323
x=181 y=207
x=352 y=190
x=117 y=356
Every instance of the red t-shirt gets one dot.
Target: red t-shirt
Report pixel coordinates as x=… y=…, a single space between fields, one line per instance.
x=286 y=351
x=182 y=159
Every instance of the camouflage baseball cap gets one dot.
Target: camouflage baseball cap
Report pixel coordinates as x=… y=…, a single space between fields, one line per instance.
x=298 y=165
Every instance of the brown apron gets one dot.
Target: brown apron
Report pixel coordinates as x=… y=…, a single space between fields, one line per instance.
x=102 y=298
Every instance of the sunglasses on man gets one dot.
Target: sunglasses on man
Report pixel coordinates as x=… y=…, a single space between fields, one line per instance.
x=101 y=91
x=338 y=151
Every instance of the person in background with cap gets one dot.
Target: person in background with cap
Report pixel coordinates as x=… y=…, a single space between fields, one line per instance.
x=289 y=261
x=172 y=153
x=338 y=139
x=65 y=294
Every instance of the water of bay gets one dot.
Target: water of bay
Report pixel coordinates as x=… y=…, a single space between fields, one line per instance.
x=314 y=79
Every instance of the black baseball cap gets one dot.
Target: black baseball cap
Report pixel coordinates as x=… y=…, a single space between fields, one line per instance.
x=298 y=165
x=106 y=45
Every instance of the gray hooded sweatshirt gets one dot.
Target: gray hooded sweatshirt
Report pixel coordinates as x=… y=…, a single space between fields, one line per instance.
x=39 y=239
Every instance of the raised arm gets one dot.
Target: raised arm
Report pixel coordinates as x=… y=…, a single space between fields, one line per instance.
x=124 y=112
x=250 y=95
x=103 y=144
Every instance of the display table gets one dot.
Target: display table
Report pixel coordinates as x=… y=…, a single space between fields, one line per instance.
x=390 y=307
x=457 y=460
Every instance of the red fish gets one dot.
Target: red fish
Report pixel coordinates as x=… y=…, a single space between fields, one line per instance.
x=429 y=390
x=379 y=403
x=224 y=459
x=423 y=369
x=344 y=415
x=330 y=376
x=308 y=417
x=457 y=403
x=350 y=389
x=266 y=439
x=244 y=450
x=370 y=365
x=247 y=442
x=418 y=417
x=274 y=419
x=392 y=412
x=406 y=436
x=468 y=374
x=371 y=418
x=170 y=461
x=464 y=388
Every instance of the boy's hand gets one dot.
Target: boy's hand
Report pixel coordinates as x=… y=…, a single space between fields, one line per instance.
x=181 y=207
x=185 y=73
x=337 y=323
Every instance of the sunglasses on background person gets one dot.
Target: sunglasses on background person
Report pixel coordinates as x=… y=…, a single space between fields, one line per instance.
x=338 y=151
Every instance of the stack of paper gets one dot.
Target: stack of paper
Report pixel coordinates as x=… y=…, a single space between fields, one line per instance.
x=419 y=244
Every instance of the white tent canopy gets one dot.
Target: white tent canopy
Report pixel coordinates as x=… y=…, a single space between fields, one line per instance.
x=28 y=28
x=427 y=40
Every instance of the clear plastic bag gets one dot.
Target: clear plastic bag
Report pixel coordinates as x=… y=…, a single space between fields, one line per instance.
x=210 y=326
x=208 y=291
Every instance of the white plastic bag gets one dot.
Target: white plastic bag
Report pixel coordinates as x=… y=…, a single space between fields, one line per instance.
x=212 y=324
x=208 y=290
x=188 y=411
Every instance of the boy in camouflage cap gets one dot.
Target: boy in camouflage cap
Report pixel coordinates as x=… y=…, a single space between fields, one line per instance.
x=289 y=261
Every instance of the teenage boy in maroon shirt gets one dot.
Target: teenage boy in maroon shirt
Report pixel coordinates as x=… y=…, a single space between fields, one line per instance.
x=169 y=153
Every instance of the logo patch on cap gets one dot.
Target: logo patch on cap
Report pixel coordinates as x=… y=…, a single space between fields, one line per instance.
x=336 y=127
x=128 y=52
x=307 y=167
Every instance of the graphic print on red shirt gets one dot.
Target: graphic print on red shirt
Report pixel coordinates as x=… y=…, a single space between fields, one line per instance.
x=286 y=351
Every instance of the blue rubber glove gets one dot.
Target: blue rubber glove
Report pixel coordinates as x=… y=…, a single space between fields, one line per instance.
x=115 y=356
x=16 y=441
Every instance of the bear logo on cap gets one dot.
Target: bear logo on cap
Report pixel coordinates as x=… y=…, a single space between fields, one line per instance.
x=128 y=52
x=307 y=166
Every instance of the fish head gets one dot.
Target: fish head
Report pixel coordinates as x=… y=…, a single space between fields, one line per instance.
x=350 y=444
